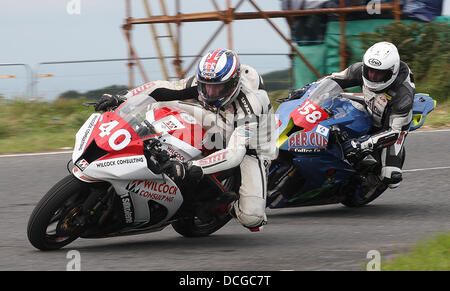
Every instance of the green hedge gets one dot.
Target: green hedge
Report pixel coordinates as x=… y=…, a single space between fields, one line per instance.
x=425 y=47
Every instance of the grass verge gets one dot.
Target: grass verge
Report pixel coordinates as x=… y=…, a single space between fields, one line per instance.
x=439 y=117
x=42 y=126
x=429 y=255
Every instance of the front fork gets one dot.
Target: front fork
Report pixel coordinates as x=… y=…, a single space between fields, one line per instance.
x=98 y=205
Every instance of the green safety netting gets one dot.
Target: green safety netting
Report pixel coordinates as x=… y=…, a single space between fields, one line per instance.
x=325 y=57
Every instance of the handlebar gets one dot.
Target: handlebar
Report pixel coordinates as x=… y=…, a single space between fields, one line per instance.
x=158 y=159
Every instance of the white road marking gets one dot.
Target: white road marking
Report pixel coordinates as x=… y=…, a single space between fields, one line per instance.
x=35 y=154
x=429 y=131
x=69 y=152
x=426 y=169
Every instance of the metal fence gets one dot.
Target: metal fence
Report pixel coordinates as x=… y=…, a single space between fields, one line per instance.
x=48 y=80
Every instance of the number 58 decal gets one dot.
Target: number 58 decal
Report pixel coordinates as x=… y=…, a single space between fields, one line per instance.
x=116 y=141
x=309 y=110
x=308 y=115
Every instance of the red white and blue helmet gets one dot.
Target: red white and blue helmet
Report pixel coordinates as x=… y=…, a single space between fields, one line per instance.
x=218 y=78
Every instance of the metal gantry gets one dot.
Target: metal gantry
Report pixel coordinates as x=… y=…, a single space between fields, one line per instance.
x=226 y=16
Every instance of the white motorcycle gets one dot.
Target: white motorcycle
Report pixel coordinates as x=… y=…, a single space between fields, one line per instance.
x=117 y=185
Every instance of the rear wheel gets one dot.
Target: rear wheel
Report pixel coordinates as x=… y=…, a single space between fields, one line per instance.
x=195 y=227
x=55 y=221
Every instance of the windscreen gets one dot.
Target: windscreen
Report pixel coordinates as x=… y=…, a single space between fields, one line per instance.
x=311 y=112
x=323 y=90
x=134 y=112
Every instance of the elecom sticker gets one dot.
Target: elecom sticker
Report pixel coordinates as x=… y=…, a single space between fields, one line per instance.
x=167 y=124
x=82 y=164
x=322 y=130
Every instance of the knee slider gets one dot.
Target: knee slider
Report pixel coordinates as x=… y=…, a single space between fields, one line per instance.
x=251 y=221
x=250 y=218
x=396 y=177
x=394 y=181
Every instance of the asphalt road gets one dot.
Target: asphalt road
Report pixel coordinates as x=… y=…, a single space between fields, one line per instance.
x=313 y=238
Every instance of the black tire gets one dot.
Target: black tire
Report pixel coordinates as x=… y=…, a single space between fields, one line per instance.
x=357 y=200
x=194 y=227
x=61 y=201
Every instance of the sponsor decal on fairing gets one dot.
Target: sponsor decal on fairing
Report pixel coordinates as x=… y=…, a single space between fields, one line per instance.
x=177 y=154
x=86 y=131
x=308 y=115
x=128 y=209
x=155 y=190
x=82 y=164
x=322 y=130
x=109 y=163
x=308 y=139
x=167 y=124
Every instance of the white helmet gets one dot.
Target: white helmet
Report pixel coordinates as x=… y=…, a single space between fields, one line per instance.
x=381 y=66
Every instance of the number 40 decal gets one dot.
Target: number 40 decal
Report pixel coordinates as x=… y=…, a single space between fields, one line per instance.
x=106 y=129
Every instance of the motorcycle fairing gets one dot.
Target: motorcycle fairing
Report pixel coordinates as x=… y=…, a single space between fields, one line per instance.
x=114 y=151
x=285 y=120
x=318 y=164
x=310 y=141
x=142 y=192
x=308 y=115
x=110 y=148
x=180 y=133
x=84 y=135
x=423 y=105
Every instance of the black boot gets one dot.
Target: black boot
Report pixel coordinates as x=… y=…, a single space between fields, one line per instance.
x=217 y=207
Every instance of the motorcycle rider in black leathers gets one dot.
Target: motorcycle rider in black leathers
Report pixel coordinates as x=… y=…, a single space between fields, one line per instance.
x=389 y=89
x=234 y=96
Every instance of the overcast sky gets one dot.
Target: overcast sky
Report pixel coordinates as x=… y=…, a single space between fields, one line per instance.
x=35 y=31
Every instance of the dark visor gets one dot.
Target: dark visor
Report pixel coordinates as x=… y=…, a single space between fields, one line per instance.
x=377 y=76
x=213 y=92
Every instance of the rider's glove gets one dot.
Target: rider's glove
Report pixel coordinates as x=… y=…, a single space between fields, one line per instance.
x=183 y=171
x=195 y=173
x=298 y=93
x=108 y=101
x=355 y=149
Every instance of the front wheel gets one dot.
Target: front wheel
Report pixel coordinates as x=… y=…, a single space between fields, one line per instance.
x=359 y=196
x=54 y=222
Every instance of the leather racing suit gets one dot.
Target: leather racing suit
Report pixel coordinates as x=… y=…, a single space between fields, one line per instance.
x=243 y=132
x=391 y=111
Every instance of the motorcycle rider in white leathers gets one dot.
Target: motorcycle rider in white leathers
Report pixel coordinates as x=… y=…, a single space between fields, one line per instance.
x=388 y=88
x=234 y=98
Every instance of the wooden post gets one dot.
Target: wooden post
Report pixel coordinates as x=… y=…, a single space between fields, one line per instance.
x=397 y=10
x=342 y=52
x=288 y=41
x=229 y=20
x=127 y=29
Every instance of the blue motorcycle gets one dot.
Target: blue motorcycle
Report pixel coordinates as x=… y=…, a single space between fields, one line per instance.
x=311 y=168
